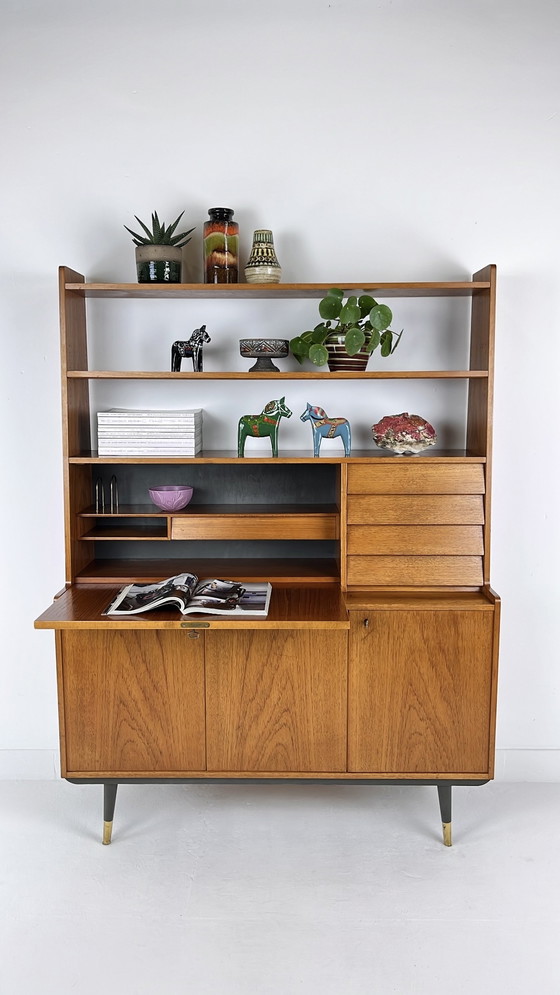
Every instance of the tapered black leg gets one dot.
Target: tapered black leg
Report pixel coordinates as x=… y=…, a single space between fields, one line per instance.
x=444 y=795
x=109 y=800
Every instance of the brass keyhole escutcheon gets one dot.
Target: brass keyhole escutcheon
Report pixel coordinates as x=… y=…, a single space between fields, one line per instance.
x=194 y=635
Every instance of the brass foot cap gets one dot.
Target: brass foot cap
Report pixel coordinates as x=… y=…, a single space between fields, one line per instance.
x=107 y=832
x=447 y=833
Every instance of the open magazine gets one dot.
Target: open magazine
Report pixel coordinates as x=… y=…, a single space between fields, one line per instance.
x=211 y=597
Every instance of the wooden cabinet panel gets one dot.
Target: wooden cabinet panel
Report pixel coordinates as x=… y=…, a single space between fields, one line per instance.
x=415 y=571
x=251 y=526
x=420 y=686
x=420 y=478
x=276 y=701
x=415 y=509
x=446 y=540
x=133 y=701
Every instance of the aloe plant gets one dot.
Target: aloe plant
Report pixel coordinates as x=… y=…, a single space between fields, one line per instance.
x=363 y=322
x=160 y=234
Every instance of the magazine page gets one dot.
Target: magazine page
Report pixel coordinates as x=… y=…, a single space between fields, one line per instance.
x=141 y=597
x=253 y=601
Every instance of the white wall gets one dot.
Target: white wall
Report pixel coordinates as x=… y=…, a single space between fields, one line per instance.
x=387 y=140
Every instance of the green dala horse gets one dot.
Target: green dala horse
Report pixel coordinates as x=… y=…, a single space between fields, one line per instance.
x=262 y=426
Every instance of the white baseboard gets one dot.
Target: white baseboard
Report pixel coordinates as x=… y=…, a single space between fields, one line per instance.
x=527 y=765
x=29 y=765
x=511 y=765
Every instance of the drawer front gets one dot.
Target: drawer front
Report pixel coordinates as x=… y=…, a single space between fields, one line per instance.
x=422 y=478
x=417 y=540
x=254 y=527
x=415 y=509
x=415 y=571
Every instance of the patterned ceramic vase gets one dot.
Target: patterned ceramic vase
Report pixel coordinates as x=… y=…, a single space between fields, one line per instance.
x=262 y=265
x=339 y=361
x=221 y=247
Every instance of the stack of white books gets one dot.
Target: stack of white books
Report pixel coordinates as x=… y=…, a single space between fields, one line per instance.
x=132 y=432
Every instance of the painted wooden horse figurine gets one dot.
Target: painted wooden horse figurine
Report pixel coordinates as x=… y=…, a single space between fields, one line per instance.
x=190 y=348
x=327 y=428
x=263 y=425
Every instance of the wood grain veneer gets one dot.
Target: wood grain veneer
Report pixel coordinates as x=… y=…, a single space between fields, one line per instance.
x=306 y=525
x=419 y=571
x=276 y=702
x=291 y=606
x=419 y=478
x=420 y=687
x=133 y=700
x=415 y=509
x=447 y=540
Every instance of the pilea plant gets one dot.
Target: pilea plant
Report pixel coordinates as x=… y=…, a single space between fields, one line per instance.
x=160 y=234
x=361 y=320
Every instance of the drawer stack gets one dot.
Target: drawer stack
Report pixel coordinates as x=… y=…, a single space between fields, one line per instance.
x=415 y=525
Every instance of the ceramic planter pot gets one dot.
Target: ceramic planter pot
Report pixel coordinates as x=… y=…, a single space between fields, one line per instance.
x=158 y=263
x=339 y=361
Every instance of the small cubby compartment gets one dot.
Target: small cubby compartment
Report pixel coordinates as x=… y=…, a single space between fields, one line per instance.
x=259 y=520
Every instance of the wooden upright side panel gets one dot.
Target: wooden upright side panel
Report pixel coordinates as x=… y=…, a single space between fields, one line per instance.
x=133 y=701
x=276 y=701
x=420 y=691
x=481 y=392
x=76 y=437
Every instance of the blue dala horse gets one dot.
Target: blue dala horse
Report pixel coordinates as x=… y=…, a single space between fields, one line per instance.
x=190 y=348
x=263 y=425
x=327 y=428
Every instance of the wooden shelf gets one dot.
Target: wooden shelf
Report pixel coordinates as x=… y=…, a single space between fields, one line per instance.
x=226 y=522
x=291 y=607
x=290 y=375
x=286 y=456
x=280 y=571
x=201 y=510
x=276 y=291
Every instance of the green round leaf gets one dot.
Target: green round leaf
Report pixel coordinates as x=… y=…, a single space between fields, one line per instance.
x=386 y=343
x=335 y=292
x=374 y=340
x=329 y=307
x=350 y=313
x=365 y=303
x=354 y=340
x=299 y=347
x=381 y=316
x=319 y=333
x=318 y=355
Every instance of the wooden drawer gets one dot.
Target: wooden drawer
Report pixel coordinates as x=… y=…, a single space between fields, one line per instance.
x=414 y=571
x=443 y=540
x=415 y=509
x=294 y=526
x=420 y=478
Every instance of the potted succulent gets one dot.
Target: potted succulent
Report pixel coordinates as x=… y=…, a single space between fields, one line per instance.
x=159 y=251
x=348 y=334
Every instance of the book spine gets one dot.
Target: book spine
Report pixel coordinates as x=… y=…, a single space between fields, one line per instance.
x=187 y=422
x=168 y=437
x=146 y=451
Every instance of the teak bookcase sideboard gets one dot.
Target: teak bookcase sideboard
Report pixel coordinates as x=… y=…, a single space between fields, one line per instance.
x=377 y=662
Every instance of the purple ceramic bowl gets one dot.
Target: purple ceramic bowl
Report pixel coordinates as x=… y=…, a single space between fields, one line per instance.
x=171 y=497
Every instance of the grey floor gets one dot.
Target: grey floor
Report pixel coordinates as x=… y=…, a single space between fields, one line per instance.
x=273 y=890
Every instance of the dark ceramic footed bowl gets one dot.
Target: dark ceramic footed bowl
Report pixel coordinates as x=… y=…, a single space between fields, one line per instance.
x=264 y=351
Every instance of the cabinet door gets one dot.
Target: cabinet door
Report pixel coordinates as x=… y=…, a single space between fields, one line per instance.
x=133 y=701
x=420 y=691
x=276 y=701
